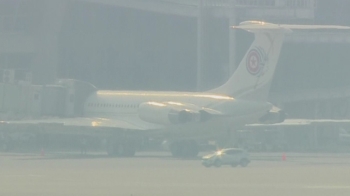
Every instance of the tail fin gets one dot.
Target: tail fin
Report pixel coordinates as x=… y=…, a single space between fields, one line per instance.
x=253 y=77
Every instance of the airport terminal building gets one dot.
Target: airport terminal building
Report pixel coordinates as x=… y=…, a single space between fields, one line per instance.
x=174 y=45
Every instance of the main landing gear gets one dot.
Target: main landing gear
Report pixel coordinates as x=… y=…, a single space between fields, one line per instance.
x=184 y=149
x=121 y=148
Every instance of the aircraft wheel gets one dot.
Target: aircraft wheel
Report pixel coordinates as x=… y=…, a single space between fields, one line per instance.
x=184 y=149
x=111 y=148
x=126 y=149
x=175 y=149
x=192 y=149
x=121 y=149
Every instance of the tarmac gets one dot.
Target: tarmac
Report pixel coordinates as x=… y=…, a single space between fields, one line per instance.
x=158 y=174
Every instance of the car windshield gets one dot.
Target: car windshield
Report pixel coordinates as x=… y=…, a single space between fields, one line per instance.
x=219 y=152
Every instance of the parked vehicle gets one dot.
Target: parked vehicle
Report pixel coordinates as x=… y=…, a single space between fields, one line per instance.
x=229 y=156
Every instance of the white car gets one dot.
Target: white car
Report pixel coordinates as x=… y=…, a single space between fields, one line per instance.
x=229 y=156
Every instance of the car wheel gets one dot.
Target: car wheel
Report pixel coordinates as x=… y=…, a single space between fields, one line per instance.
x=206 y=165
x=234 y=164
x=244 y=162
x=218 y=163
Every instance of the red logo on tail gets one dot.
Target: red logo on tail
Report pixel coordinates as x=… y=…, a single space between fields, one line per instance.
x=255 y=62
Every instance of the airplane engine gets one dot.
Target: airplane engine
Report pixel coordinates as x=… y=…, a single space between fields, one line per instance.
x=273 y=117
x=161 y=113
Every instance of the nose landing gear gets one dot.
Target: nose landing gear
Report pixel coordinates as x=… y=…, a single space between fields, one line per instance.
x=184 y=149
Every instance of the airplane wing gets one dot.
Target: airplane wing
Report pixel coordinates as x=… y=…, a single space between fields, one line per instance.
x=130 y=123
x=300 y=122
x=143 y=122
x=258 y=25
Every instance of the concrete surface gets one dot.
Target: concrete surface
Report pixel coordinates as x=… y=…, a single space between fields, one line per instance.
x=152 y=174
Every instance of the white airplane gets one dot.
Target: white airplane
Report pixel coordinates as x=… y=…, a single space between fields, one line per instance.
x=183 y=117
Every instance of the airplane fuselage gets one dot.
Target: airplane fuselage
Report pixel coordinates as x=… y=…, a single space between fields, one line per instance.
x=114 y=104
x=127 y=102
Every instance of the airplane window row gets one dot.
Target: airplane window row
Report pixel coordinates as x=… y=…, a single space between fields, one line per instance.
x=105 y=105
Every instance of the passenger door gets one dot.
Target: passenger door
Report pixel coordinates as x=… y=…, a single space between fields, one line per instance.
x=230 y=156
x=236 y=156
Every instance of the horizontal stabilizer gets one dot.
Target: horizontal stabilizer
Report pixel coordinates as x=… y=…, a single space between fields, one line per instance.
x=259 y=25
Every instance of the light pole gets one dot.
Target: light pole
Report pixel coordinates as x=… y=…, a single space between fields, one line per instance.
x=200 y=29
x=232 y=37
